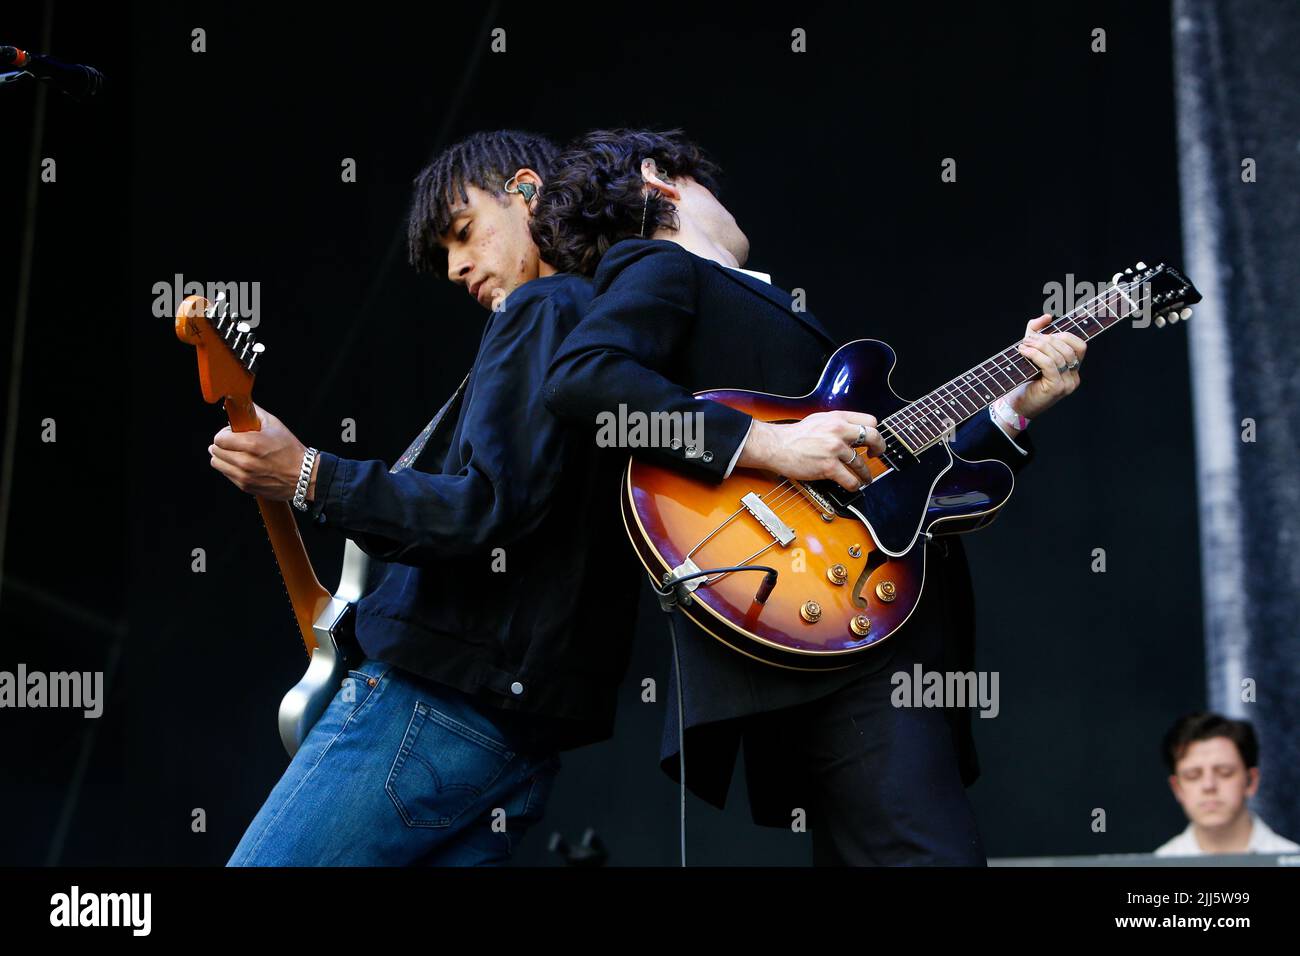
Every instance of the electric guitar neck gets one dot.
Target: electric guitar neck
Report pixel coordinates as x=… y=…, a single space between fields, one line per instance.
x=228 y=357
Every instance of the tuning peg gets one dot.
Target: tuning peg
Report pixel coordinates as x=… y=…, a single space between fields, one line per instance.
x=258 y=349
x=1141 y=266
x=214 y=310
x=1185 y=314
x=1114 y=280
x=243 y=328
x=1128 y=272
x=1173 y=316
x=1160 y=321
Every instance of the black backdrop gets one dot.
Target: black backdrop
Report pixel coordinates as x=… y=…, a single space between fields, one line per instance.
x=225 y=165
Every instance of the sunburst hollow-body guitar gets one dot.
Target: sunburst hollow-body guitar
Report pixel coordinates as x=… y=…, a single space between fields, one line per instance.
x=849 y=566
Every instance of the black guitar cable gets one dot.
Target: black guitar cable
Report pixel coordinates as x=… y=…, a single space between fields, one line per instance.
x=668 y=598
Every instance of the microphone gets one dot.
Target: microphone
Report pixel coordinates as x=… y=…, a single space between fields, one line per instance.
x=75 y=79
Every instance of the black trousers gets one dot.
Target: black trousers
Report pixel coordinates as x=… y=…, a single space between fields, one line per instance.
x=881 y=782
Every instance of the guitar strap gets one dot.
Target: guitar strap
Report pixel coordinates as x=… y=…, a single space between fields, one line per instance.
x=413 y=452
x=376 y=569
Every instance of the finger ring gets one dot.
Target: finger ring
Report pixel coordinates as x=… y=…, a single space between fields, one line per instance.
x=1073 y=365
x=850 y=459
x=1062 y=368
x=862 y=435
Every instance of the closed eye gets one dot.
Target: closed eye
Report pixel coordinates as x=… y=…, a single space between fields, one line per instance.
x=463 y=235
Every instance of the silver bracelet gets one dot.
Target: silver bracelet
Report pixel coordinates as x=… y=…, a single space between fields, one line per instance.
x=304 y=478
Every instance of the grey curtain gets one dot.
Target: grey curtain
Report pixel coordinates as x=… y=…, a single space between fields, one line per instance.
x=1237 y=73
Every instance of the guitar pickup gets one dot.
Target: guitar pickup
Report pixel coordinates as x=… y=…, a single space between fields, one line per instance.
x=777 y=528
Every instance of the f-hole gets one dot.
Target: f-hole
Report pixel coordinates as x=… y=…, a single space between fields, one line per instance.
x=874 y=560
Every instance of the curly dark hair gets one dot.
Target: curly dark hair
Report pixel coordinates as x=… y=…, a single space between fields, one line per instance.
x=1202 y=726
x=595 y=194
x=485 y=160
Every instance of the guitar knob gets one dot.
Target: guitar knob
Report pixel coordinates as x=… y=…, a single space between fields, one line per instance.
x=837 y=573
x=811 y=612
x=860 y=625
x=886 y=591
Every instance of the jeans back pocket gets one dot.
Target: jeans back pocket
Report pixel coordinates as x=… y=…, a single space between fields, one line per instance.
x=442 y=768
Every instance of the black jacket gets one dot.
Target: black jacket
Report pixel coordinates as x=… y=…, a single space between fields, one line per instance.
x=665 y=323
x=523 y=628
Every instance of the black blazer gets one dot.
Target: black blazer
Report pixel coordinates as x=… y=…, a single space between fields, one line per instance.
x=665 y=323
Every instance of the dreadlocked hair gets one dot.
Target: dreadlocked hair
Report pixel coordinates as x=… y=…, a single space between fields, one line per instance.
x=485 y=160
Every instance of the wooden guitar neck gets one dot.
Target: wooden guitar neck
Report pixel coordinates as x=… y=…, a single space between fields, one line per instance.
x=226 y=375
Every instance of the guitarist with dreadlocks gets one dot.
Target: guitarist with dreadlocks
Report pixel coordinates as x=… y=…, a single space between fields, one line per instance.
x=485 y=655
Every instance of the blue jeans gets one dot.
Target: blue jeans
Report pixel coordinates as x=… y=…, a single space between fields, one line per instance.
x=400 y=771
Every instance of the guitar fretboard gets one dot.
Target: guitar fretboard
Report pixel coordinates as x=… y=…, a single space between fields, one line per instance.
x=927 y=420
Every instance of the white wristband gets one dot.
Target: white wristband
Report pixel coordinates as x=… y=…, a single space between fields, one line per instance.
x=1002 y=409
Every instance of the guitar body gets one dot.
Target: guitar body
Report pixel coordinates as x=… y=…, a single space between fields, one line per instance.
x=336 y=652
x=858 y=558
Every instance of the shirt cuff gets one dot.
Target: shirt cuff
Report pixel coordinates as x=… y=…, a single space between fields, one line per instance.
x=1003 y=430
x=736 y=457
x=326 y=468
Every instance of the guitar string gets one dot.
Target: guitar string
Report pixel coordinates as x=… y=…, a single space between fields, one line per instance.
x=1012 y=363
x=913 y=416
x=918 y=419
x=781 y=506
x=956 y=392
x=1070 y=318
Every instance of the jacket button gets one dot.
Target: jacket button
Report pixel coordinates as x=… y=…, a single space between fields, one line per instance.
x=516 y=688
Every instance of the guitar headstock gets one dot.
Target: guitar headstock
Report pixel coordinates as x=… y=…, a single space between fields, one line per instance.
x=1170 y=293
x=227 y=352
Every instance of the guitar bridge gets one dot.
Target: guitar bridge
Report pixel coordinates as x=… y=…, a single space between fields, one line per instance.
x=777 y=528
